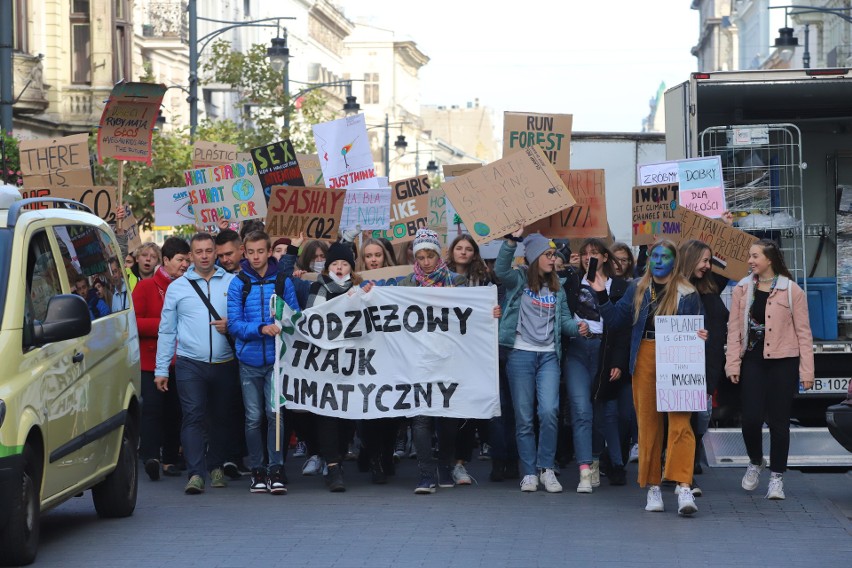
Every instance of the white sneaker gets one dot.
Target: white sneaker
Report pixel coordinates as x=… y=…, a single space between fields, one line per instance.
x=634 y=453
x=752 y=475
x=655 y=499
x=460 y=475
x=529 y=483
x=312 y=466
x=776 y=488
x=685 y=502
x=551 y=484
x=585 y=485
x=595 y=468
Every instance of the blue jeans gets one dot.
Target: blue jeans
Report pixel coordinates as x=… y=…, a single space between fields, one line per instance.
x=534 y=379
x=258 y=397
x=206 y=392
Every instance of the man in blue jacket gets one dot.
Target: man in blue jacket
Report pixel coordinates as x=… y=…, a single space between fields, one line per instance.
x=205 y=370
x=253 y=328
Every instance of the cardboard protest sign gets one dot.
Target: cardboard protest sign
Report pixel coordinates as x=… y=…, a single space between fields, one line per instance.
x=313 y=210
x=550 y=132
x=309 y=165
x=387 y=276
x=56 y=162
x=454 y=222
x=276 y=164
x=586 y=218
x=409 y=209
x=128 y=121
x=131 y=229
x=172 y=207
x=654 y=216
x=355 y=370
x=344 y=151
x=206 y=154
x=518 y=189
x=730 y=245
x=701 y=185
x=231 y=192
x=681 y=371
x=366 y=208
x=100 y=199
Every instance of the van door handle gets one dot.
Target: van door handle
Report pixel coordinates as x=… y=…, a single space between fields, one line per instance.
x=78 y=357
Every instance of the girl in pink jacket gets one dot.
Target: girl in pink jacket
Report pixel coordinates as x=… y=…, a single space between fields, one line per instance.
x=770 y=350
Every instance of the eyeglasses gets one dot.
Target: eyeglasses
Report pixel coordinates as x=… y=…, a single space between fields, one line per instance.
x=549 y=254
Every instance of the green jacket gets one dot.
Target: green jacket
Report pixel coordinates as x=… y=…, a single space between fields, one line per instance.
x=515 y=281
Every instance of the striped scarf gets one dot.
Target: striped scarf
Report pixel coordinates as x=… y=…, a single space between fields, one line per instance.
x=440 y=277
x=325 y=289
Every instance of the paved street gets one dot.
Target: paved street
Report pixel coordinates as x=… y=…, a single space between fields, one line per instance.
x=490 y=524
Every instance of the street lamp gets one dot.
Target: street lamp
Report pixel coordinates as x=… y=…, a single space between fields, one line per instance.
x=787 y=42
x=352 y=107
x=195 y=51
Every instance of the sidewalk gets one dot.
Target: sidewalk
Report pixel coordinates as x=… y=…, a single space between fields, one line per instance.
x=489 y=525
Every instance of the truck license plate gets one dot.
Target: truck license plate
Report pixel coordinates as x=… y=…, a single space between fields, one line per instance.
x=828 y=386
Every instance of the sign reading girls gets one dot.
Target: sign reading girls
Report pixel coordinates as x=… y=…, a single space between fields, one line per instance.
x=681 y=374
x=127 y=123
x=232 y=192
x=394 y=351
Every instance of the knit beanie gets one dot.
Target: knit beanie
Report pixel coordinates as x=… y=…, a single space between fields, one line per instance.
x=535 y=245
x=282 y=241
x=427 y=239
x=340 y=251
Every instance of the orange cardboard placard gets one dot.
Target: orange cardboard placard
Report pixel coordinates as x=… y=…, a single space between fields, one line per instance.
x=550 y=132
x=56 y=162
x=100 y=199
x=128 y=121
x=206 y=154
x=314 y=211
x=730 y=245
x=495 y=199
x=585 y=219
x=409 y=209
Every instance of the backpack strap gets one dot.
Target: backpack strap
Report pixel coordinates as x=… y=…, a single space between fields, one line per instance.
x=246 y=286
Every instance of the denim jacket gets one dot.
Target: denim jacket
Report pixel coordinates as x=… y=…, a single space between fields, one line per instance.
x=620 y=314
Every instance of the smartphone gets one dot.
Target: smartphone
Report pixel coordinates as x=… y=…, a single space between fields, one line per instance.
x=593 y=268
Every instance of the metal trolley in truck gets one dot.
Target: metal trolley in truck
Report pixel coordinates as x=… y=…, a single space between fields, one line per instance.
x=785 y=141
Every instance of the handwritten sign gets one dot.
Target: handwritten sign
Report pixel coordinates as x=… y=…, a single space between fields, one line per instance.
x=550 y=132
x=56 y=162
x=131 y=228
x=701 y=185
x=366 y=208
x=454 y=224
x=309 y=165
x=409 y=209
x=276 y=165
x=518 y=189
x=128 y=121
x=231 y=192
x=681 y=374
x=587 y=218
x=206 y=154
x=344 y=151
x=730 y=245
x=100 y=199
x=172 y=207
x=654 y=213
x=315 y=211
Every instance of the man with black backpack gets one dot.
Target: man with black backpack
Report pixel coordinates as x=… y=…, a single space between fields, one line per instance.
x=251 y=324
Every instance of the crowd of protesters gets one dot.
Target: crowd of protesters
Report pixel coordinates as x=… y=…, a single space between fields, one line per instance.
x=577 y=361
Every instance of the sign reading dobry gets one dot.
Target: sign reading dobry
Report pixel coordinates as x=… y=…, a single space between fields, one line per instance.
x=550 y=132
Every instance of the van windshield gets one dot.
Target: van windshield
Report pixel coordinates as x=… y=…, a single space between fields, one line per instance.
x=5 y=259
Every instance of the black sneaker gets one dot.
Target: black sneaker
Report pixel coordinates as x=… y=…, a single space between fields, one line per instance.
x=232 y=471
x=275 y=482
x=258 y=481
x=445 y=476
x=152 y=468
x=334 y=479
x=511 y=470
x=617 y=475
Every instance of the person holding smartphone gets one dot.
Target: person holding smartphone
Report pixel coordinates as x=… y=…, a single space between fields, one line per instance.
x=594 y=364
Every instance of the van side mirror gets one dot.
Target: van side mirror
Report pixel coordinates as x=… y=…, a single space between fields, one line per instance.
x=67 y=318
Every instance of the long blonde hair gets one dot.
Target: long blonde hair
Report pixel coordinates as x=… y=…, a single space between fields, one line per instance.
x=667 y=306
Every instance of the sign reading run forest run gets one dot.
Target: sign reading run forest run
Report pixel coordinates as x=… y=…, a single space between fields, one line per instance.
x=515 y=191
x=393 y=351
x=550 y=132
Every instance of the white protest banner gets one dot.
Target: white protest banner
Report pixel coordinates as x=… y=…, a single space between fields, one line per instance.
x=395 y=351
x=231 y=192
x=681 y=372
x=172 y=208
x=344 y=151
x=700 y=183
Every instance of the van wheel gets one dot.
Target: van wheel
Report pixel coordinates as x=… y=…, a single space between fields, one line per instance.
x=115 y=496
x=19 y=541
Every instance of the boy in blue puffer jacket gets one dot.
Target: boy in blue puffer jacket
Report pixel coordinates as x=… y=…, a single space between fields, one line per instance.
x=251 y=325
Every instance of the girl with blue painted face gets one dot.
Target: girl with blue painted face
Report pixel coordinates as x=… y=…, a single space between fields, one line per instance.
x=661 y=291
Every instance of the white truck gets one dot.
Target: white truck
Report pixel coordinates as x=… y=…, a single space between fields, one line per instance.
x=785 y=141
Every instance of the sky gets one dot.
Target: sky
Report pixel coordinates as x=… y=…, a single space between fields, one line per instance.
x=601 y=61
